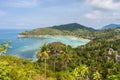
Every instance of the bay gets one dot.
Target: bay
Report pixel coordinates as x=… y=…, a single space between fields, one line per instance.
x=27 y=47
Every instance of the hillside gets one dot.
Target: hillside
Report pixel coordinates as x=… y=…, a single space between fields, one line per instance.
x=97 y=60
x=72 y=29
x=110 y=26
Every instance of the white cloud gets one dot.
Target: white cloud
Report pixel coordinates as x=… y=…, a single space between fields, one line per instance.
x=101 y=15
x=2 y=13
x=94 y=15
x=22 y=3
x=104 y=4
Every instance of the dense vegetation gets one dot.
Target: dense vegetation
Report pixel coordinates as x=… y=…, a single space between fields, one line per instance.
x=73 y=29
x=97 y=60
x=92 y=61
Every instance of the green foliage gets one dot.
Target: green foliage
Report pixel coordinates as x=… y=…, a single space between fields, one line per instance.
x=57 y=61
x=85 y=62
x=114 y=77
x=4 y=47
x=13 y=68
x=81 y=72
x=64 y=75
x=73 y=29
x=96 y=76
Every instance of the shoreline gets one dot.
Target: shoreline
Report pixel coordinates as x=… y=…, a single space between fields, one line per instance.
x=44 y=36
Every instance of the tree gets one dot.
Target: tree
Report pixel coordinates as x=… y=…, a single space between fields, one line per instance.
x=81 y=72
x=43 y=55
x=4 y=47
x=96 y=76
x=54 y=58
x=66 y=57
x=13 y=68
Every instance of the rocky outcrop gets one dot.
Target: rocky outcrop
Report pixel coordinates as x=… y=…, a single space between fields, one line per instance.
x=117 y=58
x=115 y=53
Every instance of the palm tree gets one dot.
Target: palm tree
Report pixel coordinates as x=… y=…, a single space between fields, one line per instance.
x=66 y=56
x=54 y=58
x=81 y=72
x=4 y=47
x=43 y=54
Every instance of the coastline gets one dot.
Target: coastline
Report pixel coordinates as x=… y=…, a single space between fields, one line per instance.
x=45 y=36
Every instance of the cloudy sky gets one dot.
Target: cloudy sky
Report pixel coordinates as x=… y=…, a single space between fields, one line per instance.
x=42 y=13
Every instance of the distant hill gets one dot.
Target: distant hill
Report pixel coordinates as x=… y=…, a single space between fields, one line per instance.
x=110 y=26
x=72 y=29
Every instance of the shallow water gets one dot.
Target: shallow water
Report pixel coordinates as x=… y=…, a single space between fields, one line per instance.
x=27 y=47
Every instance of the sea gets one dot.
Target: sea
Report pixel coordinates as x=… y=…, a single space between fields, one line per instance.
x=28 y=47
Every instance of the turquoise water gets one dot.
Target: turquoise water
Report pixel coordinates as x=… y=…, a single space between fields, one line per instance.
x=27 y=47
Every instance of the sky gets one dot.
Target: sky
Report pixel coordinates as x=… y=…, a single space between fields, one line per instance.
x=30 y=14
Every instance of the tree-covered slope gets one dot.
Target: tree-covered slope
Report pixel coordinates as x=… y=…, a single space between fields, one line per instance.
x=97 y=60
x=72 y=29
x=89 y=62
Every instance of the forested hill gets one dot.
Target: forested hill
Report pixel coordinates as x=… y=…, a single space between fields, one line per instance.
x=73 y=29
x=97 y=60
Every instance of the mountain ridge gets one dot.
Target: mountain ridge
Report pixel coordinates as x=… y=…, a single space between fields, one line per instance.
x=72 y=29
x=71 y=26
x=110 y=26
